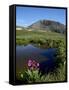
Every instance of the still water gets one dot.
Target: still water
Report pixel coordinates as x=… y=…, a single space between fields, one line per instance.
x=45 y=57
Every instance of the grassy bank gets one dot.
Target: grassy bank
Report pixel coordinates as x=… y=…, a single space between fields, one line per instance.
x=41 y=39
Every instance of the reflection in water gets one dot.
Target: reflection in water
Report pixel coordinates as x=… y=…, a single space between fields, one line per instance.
x=44 y=56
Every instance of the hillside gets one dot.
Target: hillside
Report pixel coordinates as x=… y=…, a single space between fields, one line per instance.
x=45 y=25
x=48 y=25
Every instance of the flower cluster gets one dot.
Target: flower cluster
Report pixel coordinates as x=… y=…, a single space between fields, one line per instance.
x=33 y=65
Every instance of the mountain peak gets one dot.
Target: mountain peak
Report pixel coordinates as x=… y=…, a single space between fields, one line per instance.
x=48 y=25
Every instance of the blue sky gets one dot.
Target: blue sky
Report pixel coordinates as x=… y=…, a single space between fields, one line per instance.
x=25 y=16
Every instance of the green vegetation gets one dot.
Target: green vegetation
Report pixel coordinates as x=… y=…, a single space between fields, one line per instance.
x=44 y=40
x=34 y=76
x=25 y=34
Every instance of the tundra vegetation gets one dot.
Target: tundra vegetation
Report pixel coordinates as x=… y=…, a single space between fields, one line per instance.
x=43 y=39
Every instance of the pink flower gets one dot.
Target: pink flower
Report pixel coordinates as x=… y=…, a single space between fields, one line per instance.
x=29 y=60
x=29 y=63
x=32 y=64
x=38 y=64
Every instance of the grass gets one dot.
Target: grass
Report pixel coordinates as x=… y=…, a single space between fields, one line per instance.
x=44 y=40
x=29 y=76
x=23 y=34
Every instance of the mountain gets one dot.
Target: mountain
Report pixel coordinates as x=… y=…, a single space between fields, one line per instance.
x=48 y=25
